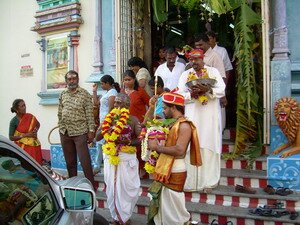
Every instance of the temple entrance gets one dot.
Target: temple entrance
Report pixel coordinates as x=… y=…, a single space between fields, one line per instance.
x=149 y=24
x=181 y=27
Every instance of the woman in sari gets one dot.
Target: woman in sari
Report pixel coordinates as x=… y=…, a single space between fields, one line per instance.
x=23 y=130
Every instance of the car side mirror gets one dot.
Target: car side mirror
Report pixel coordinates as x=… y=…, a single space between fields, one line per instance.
x=76 y=199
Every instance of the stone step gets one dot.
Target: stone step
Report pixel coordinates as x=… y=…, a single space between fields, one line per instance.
x=226 y=196
x=259 y=164
x=229 y=177
x=227 y=146
x=205 y=213
x=254 y=179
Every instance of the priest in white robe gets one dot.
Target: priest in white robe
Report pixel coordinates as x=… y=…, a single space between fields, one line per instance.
x=205 y=113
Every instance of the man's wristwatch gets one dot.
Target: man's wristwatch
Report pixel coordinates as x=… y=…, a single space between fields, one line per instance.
x=210 y=91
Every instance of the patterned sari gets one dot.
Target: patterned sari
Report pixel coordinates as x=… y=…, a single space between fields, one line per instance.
x=30 y=144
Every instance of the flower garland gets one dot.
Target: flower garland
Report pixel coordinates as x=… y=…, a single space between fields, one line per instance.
x=193 y=76
x=111 y=133
x=158 y=131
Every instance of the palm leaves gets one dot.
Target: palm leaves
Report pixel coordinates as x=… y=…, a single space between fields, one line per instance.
x=160 y=13
x=248 y=98
x=249 y=122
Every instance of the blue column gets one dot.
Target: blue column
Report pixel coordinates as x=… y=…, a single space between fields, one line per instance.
x=282 y=172
x=280 y=64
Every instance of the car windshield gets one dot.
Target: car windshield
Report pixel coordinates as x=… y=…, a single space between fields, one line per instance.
x=22 y=189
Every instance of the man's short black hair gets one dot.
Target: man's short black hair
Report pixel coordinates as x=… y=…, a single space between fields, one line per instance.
x=136 y=61
x=160 y=81
x=180 y=108
x=171 y=50
x=201 y=37
x=211 y=34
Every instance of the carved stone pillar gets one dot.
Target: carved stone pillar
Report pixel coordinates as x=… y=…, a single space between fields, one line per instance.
x=280 y=67
x=103 y=52
x=42 y=43
x=97 y=46
x=280 y=48
x=73 y=41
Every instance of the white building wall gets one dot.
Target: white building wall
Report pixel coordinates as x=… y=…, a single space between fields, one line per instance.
x=16 y=39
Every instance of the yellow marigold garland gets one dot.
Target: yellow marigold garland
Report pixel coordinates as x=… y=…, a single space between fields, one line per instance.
x=193 y=76
x=111 y=133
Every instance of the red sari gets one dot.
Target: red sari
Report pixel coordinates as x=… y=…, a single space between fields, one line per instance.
x=31 y=145
x=139 y=101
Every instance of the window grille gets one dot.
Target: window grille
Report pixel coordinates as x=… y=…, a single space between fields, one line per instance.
x=126 y=37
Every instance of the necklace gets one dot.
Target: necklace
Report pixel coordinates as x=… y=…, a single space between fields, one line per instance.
x=129 y=92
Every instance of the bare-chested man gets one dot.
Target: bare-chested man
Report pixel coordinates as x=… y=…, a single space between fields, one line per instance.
x=170 y=171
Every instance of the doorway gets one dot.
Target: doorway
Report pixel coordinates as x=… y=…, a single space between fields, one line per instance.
x=179 y=30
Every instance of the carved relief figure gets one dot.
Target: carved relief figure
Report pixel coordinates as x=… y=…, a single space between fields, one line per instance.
x=287 y=113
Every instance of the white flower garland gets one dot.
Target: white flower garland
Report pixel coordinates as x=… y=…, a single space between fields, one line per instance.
x=145 y=154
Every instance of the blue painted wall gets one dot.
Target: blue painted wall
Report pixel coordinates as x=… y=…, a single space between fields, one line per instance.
x=293 y=24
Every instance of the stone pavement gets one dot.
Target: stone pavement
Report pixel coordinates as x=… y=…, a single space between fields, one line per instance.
x=136 y=219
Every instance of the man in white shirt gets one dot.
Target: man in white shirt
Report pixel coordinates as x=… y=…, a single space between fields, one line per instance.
x=213 y=59
x=221 y=51
x=171 y=70
x=227 y=64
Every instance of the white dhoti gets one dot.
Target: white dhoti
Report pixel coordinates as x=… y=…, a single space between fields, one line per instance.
x=172 y=209
x=205 y=176
x=122 y=186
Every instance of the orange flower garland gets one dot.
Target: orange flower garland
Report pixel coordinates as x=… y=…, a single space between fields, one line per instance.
x=111 y=132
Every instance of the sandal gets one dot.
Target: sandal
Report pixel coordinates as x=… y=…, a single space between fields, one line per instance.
x=277 y=205
x=270 y=213
x=228 y=223
x=214 y=222
x=269 y=189
x=283 y=191
x=294 y=215
x=244 y=189
x=284 y=213
x=264 y=212
x=256 y=211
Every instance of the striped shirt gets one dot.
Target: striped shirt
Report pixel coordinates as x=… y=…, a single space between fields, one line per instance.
x=75 y=112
